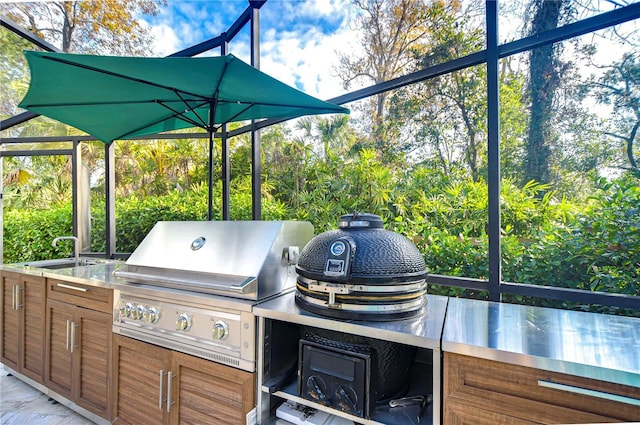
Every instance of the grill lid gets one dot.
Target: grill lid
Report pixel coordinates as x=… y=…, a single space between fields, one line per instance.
x=246 y=259
x=361 y=272
x=361 y=251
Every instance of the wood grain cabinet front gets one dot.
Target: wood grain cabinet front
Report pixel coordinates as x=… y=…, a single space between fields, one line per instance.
x=460 y=413
x=479 y=391
x=153 y=385
x=22 y=325
x=78 y=349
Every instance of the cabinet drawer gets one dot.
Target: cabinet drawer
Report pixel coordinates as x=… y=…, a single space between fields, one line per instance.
x=88 y=296
x=522 y=392
x=460 y=413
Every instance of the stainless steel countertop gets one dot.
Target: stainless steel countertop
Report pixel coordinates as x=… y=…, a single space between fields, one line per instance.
x=591 y=345
x=100 y=275
x=423 y=331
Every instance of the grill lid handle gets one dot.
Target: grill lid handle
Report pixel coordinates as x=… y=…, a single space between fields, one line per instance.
x=247 y=285
x=359 y=220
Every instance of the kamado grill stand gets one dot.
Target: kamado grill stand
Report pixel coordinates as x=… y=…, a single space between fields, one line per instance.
x=358 y=272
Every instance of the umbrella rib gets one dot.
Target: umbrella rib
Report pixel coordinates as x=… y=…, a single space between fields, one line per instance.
x=118 y=75
x=190 y=108
x=282 y=105
x=250 y=105
x=106 y=103
x=230 y=119
x=176 y=114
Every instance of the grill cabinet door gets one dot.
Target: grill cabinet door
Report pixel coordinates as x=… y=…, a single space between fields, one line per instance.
x=210 y=393
x=138 y=390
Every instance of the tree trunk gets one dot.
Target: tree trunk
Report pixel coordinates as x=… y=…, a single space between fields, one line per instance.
x=544 y=80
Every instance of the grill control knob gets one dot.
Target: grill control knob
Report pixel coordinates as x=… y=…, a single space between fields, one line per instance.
x=151 y=315
x=125 y=311
x=184 y=322
x=133 y=312
x=139 y=312
x=220 y=330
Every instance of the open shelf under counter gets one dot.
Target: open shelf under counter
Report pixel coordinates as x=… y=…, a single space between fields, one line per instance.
x=279 y=324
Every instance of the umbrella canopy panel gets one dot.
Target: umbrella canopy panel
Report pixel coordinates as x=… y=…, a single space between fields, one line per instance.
x=113 y=97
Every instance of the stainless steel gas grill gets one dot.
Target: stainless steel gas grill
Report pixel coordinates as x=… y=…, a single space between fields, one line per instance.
x=191 y=286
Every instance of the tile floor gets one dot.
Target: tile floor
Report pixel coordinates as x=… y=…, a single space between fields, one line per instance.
x=20 y=404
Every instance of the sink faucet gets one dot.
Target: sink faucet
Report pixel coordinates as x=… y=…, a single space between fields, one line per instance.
x=76 y=248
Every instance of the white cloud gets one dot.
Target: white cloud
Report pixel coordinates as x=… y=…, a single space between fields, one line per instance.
x=299 y=40
x=165 y=40
x=307 y=64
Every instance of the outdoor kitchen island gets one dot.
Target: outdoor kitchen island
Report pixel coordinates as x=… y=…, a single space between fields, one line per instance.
x=500 y=363
x=108 y=377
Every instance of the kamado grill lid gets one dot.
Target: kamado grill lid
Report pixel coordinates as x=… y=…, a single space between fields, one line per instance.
x=361 y=271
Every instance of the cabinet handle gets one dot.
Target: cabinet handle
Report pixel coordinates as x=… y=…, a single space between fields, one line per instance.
x=160 y=393
x=18 y=297
x=66 y=344
x=589 y=392
x=169 y=402
x=75 y=288
x=74 y=326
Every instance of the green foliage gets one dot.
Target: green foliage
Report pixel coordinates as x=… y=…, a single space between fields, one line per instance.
x=607 y=238
x=28 y=234
x=545 y=241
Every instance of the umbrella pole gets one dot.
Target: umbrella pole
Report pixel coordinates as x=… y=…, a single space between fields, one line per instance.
x=211 y=168
x=210 y=200
x=226 y=174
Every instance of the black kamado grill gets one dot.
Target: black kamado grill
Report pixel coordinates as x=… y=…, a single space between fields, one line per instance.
x=361 y=271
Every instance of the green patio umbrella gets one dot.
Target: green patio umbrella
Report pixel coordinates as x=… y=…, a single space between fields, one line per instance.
x=115 y=98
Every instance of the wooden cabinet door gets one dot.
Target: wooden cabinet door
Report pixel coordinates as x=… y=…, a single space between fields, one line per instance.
x=210 y=393
x=11 y=323
x=139 y=382
x=33 y=326
x=91 y=361
x=60 y=339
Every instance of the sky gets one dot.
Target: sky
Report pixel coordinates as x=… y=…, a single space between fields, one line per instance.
x=300 y=40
